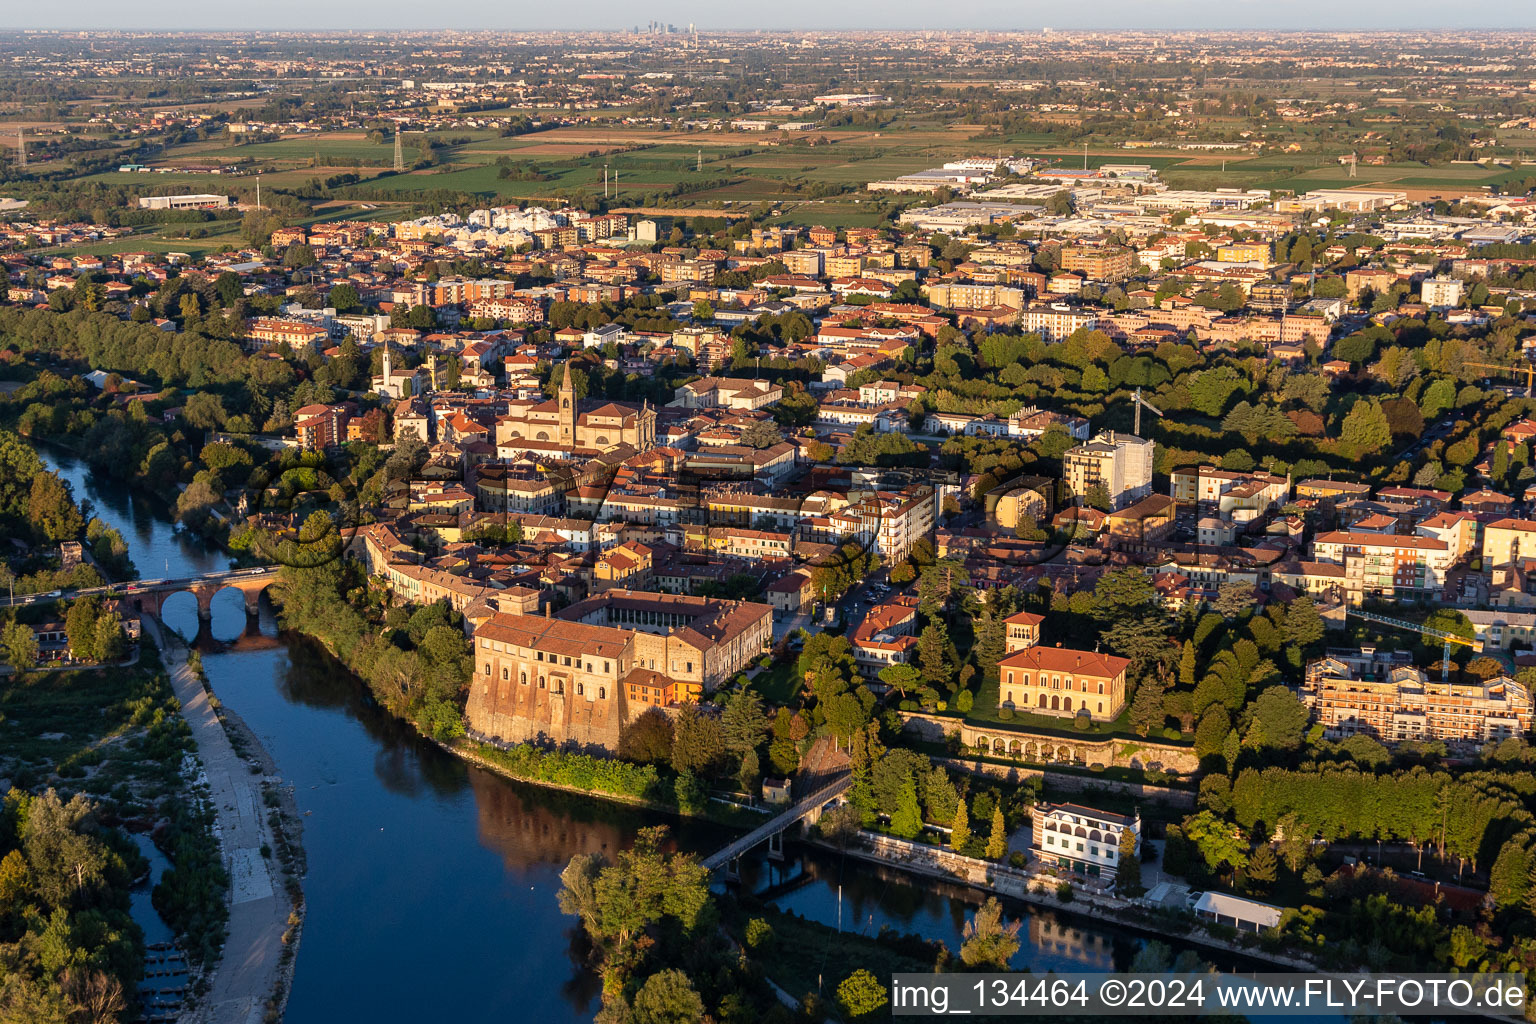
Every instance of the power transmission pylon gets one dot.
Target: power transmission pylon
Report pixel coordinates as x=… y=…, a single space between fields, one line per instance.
x=21 y=149
x=399 y=153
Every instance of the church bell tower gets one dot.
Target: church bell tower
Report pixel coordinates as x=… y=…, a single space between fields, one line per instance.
x=567 y=399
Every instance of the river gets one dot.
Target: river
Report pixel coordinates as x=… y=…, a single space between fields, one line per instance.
x=431 y=885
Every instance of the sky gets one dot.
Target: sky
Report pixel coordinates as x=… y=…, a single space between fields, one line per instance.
x=778 y=15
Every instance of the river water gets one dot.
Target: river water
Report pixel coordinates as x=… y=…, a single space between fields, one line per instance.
x=431 y=885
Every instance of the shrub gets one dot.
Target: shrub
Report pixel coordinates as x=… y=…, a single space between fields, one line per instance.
x=1064 y=892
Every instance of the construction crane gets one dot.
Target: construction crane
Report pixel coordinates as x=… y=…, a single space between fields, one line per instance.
x=1528 y=369
x=1448 y=639
x=1139 y=404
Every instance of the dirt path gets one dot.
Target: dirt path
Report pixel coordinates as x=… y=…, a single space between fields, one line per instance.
x=247 y=975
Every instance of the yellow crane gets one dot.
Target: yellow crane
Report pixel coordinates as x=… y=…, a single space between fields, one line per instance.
x=1528 y=369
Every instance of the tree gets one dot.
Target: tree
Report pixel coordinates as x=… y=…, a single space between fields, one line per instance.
x=989 y=941
x=111 y=640
x=344 y=298
x=750 y=773
x=642 y=886
x=205 y=411
x=1212 y=731
x=1147 y=708
x=67 y=860
x=861 y=995
x=960 y=831
x=743 y=724
x=1262 y=866
x=1219 y=842
x=840 y=825
x=1128 y=873
x=80 y=628
x=1279 y=718
x=51 y=509
x=997 y=842
x=1122 y=594
x=697 y=744
x=20 y=645
x=1233 y=598
x=901 y=678
x=667 y=997
x=762 y=434
x=1510 y=878
x=1365 y=430
x=933 y=653
x=907 y=820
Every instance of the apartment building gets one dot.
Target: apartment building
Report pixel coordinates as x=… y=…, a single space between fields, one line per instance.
x=321 y=426
x=1441 y=292
x=1055 y=322
x=891 y=521
x=1082 y=839
x=1098 y=263
x=1062 y=683
x=1122 y=463
x=1232 y=495
x=887 y=636
x=1362 y=693
x=1508 y=542
x=269 y=331
x=1386 y=565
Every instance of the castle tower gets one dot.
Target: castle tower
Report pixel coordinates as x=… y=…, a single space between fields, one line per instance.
x=567 y=398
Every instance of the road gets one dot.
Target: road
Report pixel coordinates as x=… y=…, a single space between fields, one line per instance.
x=132 y=587
x=246 y=976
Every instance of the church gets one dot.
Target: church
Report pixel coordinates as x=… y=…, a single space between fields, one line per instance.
x=572 y=423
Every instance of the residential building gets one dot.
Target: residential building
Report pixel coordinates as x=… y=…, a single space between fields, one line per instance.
x=1508 y=542
x=1062 y=683
x=1122 y=463
x=887 y=636
x=1083 y=839
x=321 y=426
x=1441 y=292
x=1385 y=565
x=1055 y=322
x=1366 y=694
x=1097 y=262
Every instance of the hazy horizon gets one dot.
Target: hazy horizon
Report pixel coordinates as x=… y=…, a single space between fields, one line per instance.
x=788 y=16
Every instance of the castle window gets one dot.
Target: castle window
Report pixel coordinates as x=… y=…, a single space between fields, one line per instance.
x=505 y=674
x=487 y=668
x=602 y=693
x=580 y=690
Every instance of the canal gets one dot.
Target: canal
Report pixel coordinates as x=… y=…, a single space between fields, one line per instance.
x=431 y=885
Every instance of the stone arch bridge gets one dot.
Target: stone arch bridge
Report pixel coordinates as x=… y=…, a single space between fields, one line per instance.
x=149 y=596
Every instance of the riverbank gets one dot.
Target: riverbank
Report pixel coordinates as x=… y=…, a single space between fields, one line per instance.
x=242 y=986
x=1106 y=908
